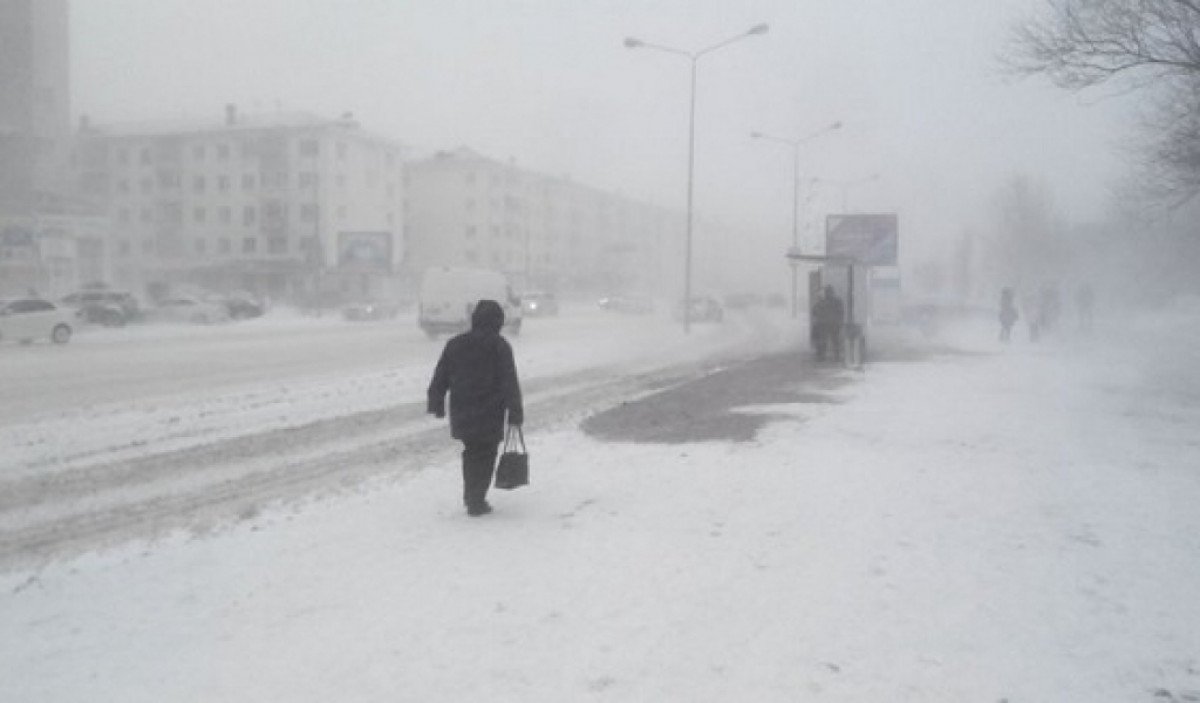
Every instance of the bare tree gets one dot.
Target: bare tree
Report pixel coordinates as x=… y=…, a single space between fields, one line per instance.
x=1144 y=45
x=1082 y=43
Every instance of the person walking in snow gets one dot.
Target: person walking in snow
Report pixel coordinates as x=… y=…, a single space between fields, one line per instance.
x=1008 y=313
x=478 y=371
x=828 y=315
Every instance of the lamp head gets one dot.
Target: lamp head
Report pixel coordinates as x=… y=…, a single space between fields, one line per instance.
x=759 y=29
x=836 y=125
x=756 y=135
x=633 y=42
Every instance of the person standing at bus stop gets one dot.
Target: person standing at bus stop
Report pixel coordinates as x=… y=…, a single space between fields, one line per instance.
x=478 y=371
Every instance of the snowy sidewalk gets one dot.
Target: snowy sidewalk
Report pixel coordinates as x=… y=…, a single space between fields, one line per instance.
x=1014 y=525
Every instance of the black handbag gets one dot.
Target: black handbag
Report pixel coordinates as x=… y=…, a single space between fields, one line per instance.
x=512 y=470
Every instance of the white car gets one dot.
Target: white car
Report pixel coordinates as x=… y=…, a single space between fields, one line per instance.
x=30 y=319
x=191 y=310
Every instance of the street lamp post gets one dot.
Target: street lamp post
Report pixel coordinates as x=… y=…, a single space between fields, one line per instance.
x=795 y=145
x=693 y=57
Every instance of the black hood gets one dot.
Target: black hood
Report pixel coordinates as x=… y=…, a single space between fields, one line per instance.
x=487 y=317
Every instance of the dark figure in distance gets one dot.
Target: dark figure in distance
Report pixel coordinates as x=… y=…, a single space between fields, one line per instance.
x=827 y=317
x=478 y=370
x=1008 y=313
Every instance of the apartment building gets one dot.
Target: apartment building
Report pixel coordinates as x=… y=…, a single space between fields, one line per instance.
x=465 y=209
x=287 y=205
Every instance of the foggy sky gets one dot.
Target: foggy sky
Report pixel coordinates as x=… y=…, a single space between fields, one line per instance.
x=916 y=83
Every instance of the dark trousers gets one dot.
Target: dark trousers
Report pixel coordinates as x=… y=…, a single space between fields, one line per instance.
x=478 y=463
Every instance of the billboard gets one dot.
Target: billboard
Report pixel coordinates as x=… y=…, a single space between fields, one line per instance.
x=365 y=251
x=870 y=240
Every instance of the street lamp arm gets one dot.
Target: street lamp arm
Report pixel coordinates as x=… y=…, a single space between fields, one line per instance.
x=757 y=29
x=634 y=43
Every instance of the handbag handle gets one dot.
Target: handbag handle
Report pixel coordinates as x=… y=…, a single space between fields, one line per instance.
x=508 y=437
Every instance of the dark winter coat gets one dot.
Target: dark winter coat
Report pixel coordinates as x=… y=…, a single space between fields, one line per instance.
x=478 y=370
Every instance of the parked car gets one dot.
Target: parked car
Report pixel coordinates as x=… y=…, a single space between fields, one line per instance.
x=702 y=308
x=628 y=304
x=370 y=310
x=192 y=310
x=29 y=319
x=538 y=303
x=105 y=307
x=243 y=306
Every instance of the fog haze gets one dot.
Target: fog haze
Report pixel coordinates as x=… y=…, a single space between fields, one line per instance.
x=917 y=85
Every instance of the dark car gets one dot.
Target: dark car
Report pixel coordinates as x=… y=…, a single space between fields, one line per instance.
x=104 y=307
x=701 y=309
x=243 y=307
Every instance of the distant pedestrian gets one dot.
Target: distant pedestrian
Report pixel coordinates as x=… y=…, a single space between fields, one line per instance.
x=1008 y=314
x=478 y=370
x=828 y=316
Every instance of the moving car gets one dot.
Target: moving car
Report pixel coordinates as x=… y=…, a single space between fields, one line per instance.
x=538 y=303
x=30 y=319
x=448 y=296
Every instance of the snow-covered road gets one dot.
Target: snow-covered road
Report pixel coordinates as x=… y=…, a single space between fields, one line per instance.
x=139 y=430
x=983 y=524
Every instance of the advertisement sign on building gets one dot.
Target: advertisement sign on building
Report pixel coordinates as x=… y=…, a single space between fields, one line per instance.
x=365 y=251
x=870 y=240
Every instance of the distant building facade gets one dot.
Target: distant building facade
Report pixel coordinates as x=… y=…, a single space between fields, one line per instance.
x=288 y=206
x=544 y=231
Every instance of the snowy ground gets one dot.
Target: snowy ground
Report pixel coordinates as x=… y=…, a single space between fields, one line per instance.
x=983 y=524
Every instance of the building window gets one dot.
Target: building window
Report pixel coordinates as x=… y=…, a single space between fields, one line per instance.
x=249 y=215
x=249 y=245
x=247 y=181
x=225 y=214
x=391 y=190
x=469 y=205
x=308 y=147
x=147 y=185
x=341 y=212
x=198 y=184
x=124 y=215
x=308 y=179
x=277 y=245
x=223 y=152
x=147 y=246
x=341 y=151
x=471 y=256
x=223 y=184
x=469 y=232
x=122 y=186
x=308 y=212
x=122 y=155
x=198 y=152
x=146 y=157
x=341 y=180
x=147 y=215
x=391 y=219
x=123 y=247
x=199 y=214
x=224 y=246
x=200 y=246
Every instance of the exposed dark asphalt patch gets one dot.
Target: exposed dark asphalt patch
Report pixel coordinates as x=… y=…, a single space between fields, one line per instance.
x=701 y=410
